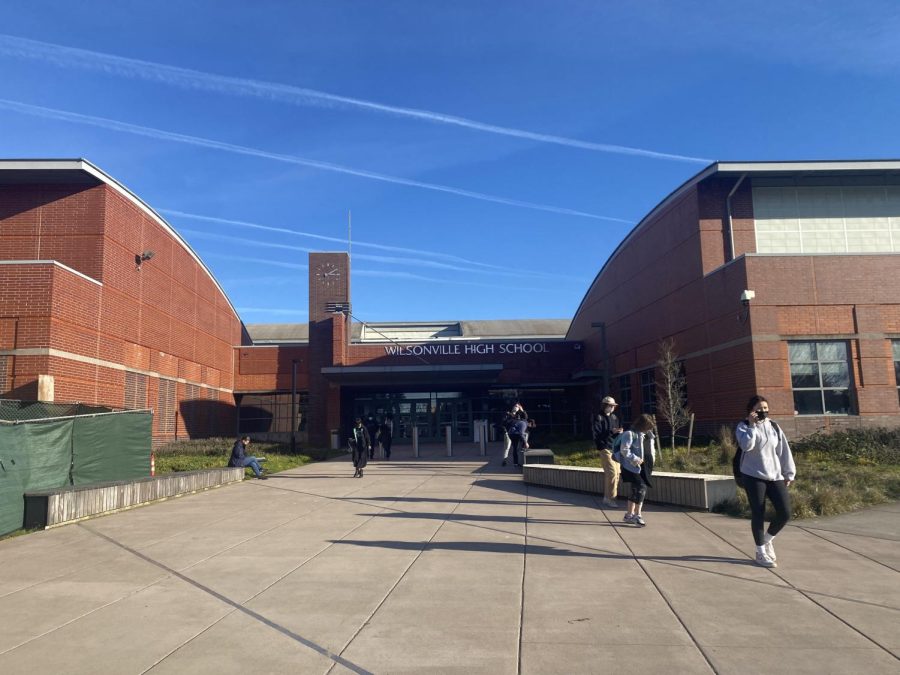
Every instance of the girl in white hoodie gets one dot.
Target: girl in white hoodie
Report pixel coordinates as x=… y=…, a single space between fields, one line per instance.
x=767 y=469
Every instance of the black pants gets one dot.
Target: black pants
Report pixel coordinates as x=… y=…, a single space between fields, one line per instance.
x=386 y=444
x=777 y=492
x=638 y=483
x=517 y=444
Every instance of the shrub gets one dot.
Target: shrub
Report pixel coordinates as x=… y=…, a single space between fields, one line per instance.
x=875 y=446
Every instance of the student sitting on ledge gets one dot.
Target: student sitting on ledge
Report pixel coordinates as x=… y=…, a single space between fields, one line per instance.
x=239 y=457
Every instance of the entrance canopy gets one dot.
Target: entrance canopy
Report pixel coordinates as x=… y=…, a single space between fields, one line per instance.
x=483 y=373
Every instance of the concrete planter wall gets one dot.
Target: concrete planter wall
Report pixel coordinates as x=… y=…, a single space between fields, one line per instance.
x=47 y=508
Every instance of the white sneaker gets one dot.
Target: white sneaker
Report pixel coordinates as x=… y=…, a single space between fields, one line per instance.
x=764 y=561
x=770 y=551
x=638 y=520
x=629 y=518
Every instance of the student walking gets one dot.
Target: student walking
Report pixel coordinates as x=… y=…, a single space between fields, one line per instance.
x=637 y=453
x=518 y=435
x=766 y=469
x=360 y=447
x=386 y=434
x=517 y=412
x=605 y=429
x=372 y=428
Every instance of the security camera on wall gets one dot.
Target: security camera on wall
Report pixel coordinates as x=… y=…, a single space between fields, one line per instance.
x=746 y=297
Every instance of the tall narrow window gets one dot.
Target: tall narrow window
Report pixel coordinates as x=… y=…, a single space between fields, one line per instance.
x=895 y=345
x=625 y=399
x=648 y=391
x=820 y=378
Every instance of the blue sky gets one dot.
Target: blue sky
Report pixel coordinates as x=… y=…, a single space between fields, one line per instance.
x=492 y=154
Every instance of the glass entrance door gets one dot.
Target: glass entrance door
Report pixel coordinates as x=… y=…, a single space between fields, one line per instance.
x=431 y=412
x=458 y=414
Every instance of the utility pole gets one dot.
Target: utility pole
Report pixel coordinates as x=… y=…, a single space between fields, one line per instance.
x=293 y=406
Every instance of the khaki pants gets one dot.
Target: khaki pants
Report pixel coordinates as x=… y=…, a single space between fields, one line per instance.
x=611 y=471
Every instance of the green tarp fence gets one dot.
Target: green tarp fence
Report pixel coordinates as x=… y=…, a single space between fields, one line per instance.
x=41 y=454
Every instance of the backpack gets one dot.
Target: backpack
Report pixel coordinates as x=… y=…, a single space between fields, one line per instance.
x=739 y=455
x=617 y=447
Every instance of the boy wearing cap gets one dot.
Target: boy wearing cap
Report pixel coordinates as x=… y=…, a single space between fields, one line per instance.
x=606 y=428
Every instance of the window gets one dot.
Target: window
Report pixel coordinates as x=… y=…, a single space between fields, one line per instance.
x=648 y=391
x=820 y=378
x=625 y=399
x=271 y=412
x=895 y=345
x=827 y=219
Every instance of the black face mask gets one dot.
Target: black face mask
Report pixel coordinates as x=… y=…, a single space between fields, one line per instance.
x=761 y=414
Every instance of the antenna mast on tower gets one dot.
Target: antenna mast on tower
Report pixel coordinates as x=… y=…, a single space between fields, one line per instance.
x=349 y=233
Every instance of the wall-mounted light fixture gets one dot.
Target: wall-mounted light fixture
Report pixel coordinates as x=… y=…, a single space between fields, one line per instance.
x=746 y=297
x=139 y=258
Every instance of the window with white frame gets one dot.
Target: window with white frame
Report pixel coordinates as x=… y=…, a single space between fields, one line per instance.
x=648 y=391
x=820 y=377
x=827 y=219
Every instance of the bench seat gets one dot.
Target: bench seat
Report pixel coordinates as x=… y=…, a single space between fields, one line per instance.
x=693 y=490
x=538 y=456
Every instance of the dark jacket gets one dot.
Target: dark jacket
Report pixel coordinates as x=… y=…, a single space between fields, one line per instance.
x=386 y=430
x=360 y=442
x=238 y=452
x=508 y=419
x=603 y=431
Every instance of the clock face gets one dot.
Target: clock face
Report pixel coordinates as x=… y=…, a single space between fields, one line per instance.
x=328 y=274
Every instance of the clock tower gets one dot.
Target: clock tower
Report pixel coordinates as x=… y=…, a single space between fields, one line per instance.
x=329 y=336
x=329 y=284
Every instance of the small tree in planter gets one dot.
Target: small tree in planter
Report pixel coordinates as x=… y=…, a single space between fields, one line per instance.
x=671 y=400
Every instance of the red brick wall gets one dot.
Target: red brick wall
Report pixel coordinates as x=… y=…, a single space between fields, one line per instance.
x=269 y=368
x=166 y=317
x=655 y=288
x=54 y=222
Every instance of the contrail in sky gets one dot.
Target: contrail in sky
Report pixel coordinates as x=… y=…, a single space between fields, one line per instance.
x=322 y=237
x=72 y=57
x=369 y=273
x=115 y=125
x=414 y=262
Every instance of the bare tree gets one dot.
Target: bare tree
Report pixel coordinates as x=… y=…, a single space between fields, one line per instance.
x=671 y=401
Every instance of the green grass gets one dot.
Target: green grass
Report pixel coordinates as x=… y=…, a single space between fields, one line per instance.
x=836 y=473
x=213 y=453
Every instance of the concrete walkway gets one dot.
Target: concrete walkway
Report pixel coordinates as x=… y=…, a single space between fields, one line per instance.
x=446 y=566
